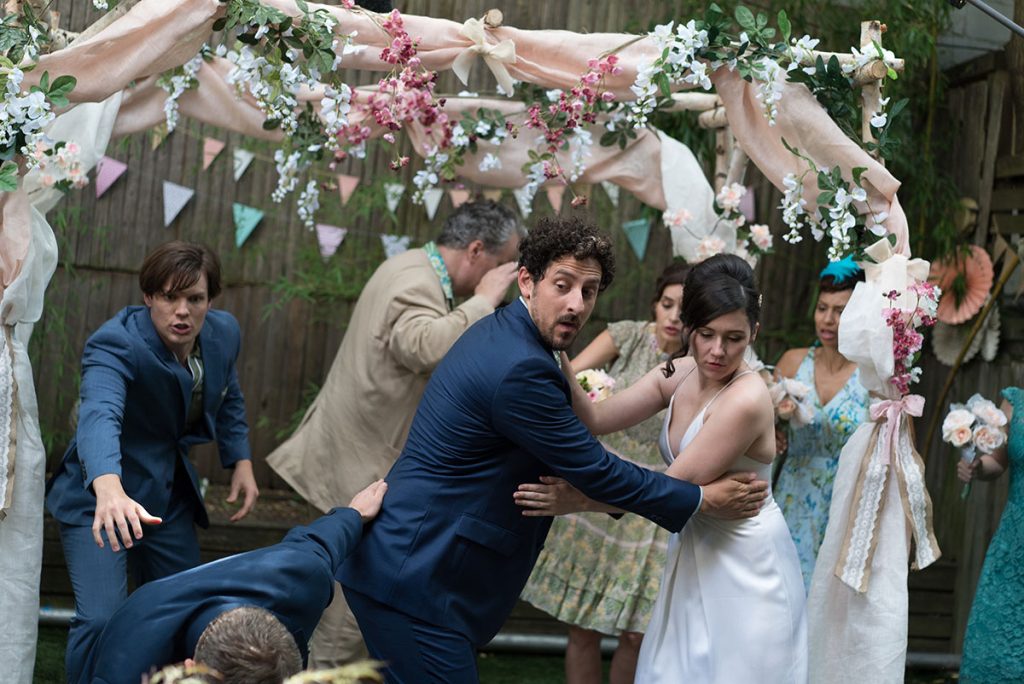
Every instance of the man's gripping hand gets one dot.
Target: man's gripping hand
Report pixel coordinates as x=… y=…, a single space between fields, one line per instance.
x=734 y=496
x=367 y=502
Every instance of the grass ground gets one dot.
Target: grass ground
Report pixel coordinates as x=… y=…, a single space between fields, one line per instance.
x=495 y=668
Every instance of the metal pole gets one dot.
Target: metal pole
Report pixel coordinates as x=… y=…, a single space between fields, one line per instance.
x=1008 y=23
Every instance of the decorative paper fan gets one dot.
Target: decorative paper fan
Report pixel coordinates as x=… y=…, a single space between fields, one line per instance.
x=976 y=269
x=948 y=340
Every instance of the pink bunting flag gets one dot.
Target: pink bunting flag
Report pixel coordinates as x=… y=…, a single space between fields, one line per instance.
x=330 y=238
x=211 y=148
x=346 y=186
x=107 y=171
x=555 y=193
x=458 y=197
x=747 y=204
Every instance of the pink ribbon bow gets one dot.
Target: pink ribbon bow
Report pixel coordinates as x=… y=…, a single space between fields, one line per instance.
x=891 y=410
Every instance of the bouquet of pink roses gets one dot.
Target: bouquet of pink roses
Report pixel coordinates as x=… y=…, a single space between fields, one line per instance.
x=975 y=427
x=792 y=401
x=596 y=383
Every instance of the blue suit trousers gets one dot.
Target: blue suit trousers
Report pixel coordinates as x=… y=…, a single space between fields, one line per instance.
x=99 y=577
x=421 y=653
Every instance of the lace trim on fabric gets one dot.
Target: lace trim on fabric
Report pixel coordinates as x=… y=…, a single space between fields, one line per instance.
x=7 y=413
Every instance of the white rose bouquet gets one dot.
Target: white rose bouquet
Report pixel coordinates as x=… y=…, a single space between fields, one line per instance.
x=975 y=427
x=596 y=383
x=792 y=401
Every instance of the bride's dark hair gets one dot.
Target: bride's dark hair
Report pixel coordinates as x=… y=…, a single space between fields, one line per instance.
x=716 y=286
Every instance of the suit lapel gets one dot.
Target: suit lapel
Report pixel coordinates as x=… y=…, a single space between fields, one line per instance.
x=145 y=326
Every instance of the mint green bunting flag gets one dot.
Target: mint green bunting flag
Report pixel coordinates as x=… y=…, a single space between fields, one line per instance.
x=246 y=220
x=638 y=231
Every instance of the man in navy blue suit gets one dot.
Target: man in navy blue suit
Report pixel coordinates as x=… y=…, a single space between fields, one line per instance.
x=249 y=617
x=440 y=569
x=156 y=380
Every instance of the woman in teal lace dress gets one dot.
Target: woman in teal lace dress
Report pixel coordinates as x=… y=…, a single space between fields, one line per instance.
x=803 y=486
x=994 y=644
x=597 y=574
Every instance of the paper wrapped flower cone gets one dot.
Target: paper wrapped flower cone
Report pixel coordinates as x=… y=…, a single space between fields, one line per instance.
x=977 y=270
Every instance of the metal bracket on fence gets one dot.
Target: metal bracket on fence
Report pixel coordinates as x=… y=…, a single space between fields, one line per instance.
x=1005 y=21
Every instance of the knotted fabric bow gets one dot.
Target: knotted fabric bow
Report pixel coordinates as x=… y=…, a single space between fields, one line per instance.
x=495 y=56
x=890 y=444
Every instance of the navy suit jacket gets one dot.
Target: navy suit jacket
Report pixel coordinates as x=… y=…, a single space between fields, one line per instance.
x=450 y=547
x=135 y=398
x=161 y=622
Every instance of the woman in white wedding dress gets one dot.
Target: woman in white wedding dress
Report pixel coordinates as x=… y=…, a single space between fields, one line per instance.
x=730 y=608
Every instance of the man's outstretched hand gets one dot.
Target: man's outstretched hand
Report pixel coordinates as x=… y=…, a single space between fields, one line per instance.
x=734 y=496
x=367 y=502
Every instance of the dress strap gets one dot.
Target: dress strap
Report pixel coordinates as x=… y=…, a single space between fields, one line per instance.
x=725 y=387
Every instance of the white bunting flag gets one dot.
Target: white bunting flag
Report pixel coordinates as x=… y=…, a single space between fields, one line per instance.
x=329 y=238
x=394 y=244
x=242 y=160
x=612 y=190
x=431 y=200
x=393 y=194
x=175 y=198
x=524 y=198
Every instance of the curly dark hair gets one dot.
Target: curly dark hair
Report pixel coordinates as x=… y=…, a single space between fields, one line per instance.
x=556 y=237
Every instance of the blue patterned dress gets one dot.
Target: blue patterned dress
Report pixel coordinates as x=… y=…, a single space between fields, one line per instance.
x=804 y=487
x=994 y=644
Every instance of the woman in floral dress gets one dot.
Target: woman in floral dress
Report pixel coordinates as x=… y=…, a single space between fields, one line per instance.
x=803 y=486
x=994 y=643
x=598 y=574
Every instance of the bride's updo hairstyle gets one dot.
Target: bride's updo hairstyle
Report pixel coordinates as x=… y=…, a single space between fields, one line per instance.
x=716 y=286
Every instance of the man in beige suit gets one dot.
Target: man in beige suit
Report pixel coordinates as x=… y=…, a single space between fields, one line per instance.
x=403 y=324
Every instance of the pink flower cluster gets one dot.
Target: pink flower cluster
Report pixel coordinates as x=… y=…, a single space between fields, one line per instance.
x=906 y=339
x=577 y=107
x=406 y=94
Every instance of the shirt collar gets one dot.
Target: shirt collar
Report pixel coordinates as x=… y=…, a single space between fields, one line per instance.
x=442 y=272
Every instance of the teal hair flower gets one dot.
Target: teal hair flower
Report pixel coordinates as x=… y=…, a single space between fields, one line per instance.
x=841 y=271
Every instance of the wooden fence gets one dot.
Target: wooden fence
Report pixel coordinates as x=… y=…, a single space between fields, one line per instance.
x=293 y=306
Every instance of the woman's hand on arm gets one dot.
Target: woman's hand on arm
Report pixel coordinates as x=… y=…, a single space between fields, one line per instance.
x=555 y=496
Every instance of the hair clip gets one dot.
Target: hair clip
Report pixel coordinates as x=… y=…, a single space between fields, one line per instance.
x=841 y=271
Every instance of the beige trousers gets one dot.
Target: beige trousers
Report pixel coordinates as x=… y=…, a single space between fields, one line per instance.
x=336 y=640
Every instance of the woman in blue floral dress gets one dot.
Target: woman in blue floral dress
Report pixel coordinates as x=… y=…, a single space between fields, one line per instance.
x=994 y=644
x=597 y=574
x=803 y=486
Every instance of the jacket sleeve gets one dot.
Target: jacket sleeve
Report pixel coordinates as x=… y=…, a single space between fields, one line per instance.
x=332 y=536
x=108 y=366
x=531 y=408
x=232 y=428
x=422 y=333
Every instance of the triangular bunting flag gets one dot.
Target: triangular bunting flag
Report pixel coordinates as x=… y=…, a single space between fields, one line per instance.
x=393 y=194
x=638 y=231
x=242 y=159
x=431 y=199
x=107 y=171
x=346 y=186
x=524 y=198
x=747 y=204
x=211 y=148
x=458 y=197
x=394 y=244
x=175 y=198
x=493 y=195
x=246 y=220
x=612 y=190
x=329 y=238
x=555 y=193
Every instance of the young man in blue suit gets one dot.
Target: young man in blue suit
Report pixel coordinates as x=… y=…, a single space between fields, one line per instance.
x=249 y=617
x=440 y=569
x=156 y=380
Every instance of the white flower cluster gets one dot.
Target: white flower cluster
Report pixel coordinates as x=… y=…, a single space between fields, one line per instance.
x=57 y=163
x=101 y=5
x=870 y=54
x=680 y=66
x=288 y=170
x=429 y=176
x=309 y=202
x=490 y=162
x=771 y=79
x=334 y=109
x=579 y=149
x=175 y=84
x=842 y=218
x=27 y=113
x=709 y=247
x=794 y=213
x=978 y=425
x=802 y=52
